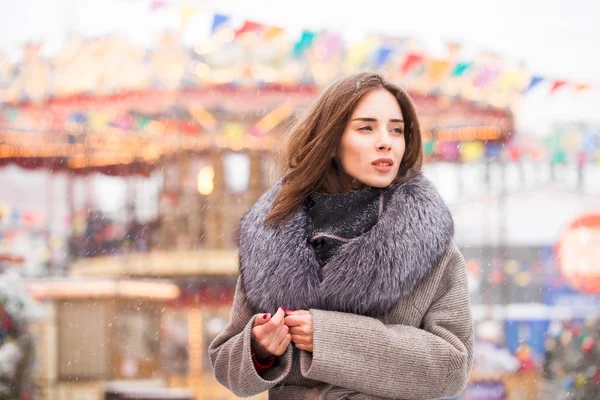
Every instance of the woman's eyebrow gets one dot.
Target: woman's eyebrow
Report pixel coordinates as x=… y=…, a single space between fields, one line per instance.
x=369 y=119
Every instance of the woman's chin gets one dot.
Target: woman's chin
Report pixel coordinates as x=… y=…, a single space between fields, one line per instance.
x=378 y=182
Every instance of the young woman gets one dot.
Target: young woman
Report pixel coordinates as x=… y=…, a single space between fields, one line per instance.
x=350 y=284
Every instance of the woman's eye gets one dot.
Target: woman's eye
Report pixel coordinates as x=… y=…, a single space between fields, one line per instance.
x=398 y=130
x=365 y=128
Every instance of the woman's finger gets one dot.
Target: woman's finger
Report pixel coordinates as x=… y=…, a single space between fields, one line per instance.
x=298 y=312
x=295 y=320
x=299 y=330
x=284 y=344
x=299 y=340
x=262 y=319
x=281 y=334
x=305 y=347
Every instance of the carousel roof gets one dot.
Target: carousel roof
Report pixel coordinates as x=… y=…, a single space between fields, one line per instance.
x=133 y=132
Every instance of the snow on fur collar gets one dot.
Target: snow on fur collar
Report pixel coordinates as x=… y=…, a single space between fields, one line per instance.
x=367 y=276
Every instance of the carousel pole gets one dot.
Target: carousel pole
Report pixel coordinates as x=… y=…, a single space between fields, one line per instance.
x=460 y=183
x=70 y=211
x=214 y=223
x=486 y=228
x=49 y=213
x=502 y=220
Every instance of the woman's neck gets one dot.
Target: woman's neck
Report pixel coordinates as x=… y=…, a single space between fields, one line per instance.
x=350 y=183
x=340 y=182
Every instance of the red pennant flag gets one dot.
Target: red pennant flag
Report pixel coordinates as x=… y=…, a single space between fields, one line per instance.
x=410 y=62
x=248 y=26
x=557 y=85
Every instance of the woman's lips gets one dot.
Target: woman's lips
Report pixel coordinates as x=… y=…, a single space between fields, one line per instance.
x=383 y=164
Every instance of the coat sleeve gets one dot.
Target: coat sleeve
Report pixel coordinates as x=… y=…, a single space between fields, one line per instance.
x=399 y=361
x=230 y=354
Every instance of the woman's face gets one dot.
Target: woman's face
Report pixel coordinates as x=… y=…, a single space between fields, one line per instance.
x=372 y=144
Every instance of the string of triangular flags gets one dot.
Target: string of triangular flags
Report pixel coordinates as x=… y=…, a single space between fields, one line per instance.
x=387 y=52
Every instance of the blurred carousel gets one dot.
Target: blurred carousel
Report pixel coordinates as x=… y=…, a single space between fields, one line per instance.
x=140 y=300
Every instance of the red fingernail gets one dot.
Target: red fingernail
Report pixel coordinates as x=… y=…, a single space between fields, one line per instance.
x=265 y=316
x=283 y=308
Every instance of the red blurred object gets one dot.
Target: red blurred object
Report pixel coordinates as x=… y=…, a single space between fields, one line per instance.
x=578 y=250
x=9 y=258
x=525 y=355
x=5 y=319
x=514 y=153
x=588 y=345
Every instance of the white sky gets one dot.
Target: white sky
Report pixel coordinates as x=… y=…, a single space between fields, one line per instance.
x=554 y=37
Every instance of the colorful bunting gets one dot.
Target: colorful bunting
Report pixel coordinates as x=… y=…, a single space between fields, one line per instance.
x=383 y=55
x=557 y=84
x=218 y=21
x=303 y=43
x=272 y=32
x=375 y=52
x=410 y=62
x=581 y=86
x=509 y=80
x=357 y=54
x=486 y=76
x=535 y=80
x=186 y=13
x=437 y=68
x=249 y=26
x=460 y=68
x=332 y=43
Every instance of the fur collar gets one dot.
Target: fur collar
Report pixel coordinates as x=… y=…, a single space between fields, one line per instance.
x=366 y=277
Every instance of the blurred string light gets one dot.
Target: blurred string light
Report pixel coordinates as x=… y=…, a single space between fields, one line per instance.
x=205 y=180
x=274 y=118
x=203 y=117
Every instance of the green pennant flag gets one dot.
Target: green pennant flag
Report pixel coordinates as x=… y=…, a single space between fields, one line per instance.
x=460 y=68
x=304 y=43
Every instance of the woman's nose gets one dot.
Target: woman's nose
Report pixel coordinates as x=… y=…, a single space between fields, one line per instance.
x=383 y=141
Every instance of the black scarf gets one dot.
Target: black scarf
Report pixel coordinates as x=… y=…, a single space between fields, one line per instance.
x=334 y=220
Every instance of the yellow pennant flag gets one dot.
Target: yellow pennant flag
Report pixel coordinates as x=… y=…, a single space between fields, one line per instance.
x=508 y=80
x=357 y=53
x=581 y=86
x=186 y=13
x=437 y=68
x=272 y=32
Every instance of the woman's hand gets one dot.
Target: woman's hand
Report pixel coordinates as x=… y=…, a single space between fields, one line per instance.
x=270 y=335
x=301 y=327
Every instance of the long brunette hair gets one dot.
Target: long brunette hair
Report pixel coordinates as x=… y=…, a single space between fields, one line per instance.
x=309 y=165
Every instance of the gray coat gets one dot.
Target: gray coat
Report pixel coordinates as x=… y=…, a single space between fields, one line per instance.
x=391 y=311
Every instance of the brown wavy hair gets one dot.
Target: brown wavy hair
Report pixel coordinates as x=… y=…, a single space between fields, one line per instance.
x=310 y=163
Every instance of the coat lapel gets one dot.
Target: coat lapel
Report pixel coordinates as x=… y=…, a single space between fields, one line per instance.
x=366 y=277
